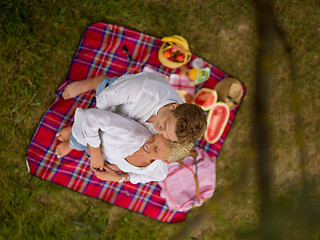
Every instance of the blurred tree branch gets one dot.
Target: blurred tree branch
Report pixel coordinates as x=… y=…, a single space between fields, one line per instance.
x=268 y=29
x=266 y=33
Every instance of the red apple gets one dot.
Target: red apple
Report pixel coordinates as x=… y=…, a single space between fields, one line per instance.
x=180 y=57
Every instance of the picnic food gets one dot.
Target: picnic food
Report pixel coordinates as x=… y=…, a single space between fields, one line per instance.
x=180 y=57
x=205 y=98
x=178 y=40
x=218 y=113
x=174 y=52
x=167 y=53
x=217 y=120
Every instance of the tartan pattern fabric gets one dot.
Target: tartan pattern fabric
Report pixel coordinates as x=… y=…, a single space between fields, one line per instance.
x=100 y=52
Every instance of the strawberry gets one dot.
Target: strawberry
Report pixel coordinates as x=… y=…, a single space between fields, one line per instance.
x=173 y=49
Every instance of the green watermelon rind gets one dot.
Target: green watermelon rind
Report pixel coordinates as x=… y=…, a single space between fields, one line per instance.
x=223 y=126
x=212 y=91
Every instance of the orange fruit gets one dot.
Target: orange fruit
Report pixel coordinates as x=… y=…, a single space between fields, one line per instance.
x=167 y=54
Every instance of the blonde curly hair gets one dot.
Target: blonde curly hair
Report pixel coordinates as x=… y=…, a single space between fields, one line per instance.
x=178 y=151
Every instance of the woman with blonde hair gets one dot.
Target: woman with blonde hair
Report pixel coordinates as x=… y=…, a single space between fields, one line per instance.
x=126 y=145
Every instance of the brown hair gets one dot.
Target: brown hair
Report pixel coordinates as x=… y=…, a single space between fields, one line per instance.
x=191 y=122
x=178 y=151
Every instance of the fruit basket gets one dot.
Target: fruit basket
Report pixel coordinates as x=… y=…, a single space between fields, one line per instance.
x=174 y=52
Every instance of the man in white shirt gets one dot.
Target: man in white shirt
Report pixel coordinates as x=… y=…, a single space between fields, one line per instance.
x=147 y=98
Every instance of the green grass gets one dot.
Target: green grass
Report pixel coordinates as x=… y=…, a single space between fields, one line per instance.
x=38 y=40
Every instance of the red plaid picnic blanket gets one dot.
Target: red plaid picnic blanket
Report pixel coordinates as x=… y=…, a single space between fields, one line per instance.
x=100 y=52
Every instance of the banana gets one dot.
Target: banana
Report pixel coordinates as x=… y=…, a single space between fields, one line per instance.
x=176 y=39
x=183 y=41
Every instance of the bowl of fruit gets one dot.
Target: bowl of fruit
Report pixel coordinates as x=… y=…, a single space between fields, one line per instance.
x=174 y=52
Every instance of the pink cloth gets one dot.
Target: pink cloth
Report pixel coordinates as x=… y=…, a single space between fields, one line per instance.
x=179 y=187
x=151 y=70
x=182 y=83
x=176 y=81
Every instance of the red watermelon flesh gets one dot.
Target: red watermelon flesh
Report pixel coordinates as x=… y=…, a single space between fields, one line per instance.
x=205 y=98
x=217 y=121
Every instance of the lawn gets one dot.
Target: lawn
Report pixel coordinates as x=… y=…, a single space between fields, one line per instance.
x=38 y=40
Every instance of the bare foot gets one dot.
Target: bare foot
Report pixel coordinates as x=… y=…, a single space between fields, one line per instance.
x=64 y=133
x=63 y=149
x=75 y=88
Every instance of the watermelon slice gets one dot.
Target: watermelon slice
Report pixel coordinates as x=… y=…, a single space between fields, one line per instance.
x=205 y=98
x=217 y=120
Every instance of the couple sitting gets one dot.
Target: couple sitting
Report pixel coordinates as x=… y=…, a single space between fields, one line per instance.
x=127 y=145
